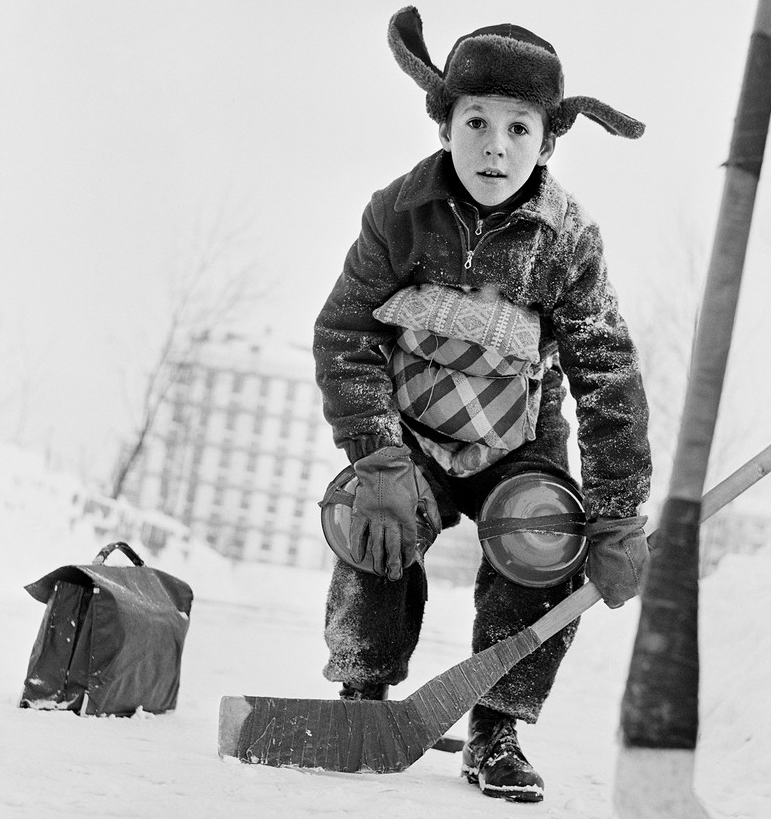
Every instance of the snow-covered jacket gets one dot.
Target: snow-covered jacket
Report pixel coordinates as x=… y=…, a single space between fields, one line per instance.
x=546 y=255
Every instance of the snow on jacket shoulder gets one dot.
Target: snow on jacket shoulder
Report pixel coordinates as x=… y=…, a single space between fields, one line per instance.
x=547 y=255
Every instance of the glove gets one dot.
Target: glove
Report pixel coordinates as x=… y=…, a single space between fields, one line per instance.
x=391 y=490
x=617 y=558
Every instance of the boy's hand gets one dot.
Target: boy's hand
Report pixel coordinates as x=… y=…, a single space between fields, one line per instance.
x=385 y=505
x=618 y=557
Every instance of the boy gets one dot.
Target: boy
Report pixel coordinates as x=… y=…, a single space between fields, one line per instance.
x=480 y=252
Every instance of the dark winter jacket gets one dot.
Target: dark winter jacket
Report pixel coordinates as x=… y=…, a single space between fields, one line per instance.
x=546 y=255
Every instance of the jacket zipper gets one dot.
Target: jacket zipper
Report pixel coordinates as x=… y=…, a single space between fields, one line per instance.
x=465 y=234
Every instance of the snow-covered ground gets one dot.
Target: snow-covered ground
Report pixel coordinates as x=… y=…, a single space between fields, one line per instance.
x=257 y=630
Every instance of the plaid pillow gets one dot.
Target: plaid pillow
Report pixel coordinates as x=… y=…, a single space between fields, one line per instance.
x=465 y=356
x=493 y=411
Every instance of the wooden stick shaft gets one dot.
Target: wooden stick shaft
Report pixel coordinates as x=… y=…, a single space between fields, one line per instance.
x=736 y=483
x=718 y=497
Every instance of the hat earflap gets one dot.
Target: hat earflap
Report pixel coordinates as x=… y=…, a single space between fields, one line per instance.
x=405 y=37
x=613 y=121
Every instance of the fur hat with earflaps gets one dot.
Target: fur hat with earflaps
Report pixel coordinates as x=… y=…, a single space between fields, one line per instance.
x=503 y=60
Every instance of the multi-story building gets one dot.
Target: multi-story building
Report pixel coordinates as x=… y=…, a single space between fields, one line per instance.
x=240 y=452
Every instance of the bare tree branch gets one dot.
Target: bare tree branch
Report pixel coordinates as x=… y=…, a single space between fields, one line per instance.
x=210 y=290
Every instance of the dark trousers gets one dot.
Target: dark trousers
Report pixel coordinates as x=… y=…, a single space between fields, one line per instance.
x=373 y=624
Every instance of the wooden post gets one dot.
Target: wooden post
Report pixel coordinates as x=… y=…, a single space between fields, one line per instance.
x=659 y=714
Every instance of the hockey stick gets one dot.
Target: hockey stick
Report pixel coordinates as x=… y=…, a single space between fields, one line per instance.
x=660 y=707
x=385 y=737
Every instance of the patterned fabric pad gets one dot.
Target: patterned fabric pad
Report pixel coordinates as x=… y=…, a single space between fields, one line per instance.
x=480 y=316
x=493 y=411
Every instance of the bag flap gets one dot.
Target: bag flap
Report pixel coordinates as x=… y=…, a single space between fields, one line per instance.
x=117 y=580
x=42 y=589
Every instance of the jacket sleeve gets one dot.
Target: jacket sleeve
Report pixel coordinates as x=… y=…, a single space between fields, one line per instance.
x=351 y=367
x=602 y=367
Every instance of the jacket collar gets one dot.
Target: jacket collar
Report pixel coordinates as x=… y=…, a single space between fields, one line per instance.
x=428 y=181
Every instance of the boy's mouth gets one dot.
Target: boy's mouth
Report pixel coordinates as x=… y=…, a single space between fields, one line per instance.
x=492 y=173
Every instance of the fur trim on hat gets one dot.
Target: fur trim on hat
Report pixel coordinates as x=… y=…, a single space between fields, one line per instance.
x=405 y=37
x=611 y=120
x=495 y=65
x=503 y=60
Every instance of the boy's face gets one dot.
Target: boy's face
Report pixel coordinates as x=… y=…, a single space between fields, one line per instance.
x=495 y=143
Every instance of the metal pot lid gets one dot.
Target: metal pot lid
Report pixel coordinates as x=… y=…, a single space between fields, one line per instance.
x=336 y=521
x=531 y=529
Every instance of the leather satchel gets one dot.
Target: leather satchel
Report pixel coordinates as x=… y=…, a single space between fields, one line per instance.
x=111 y=638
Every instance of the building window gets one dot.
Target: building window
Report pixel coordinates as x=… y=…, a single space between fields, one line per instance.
x=214 y=529
x=251 y=464
x=264 y=386
x=236 y=549
x=238 y=383
x=230 y=419
x=185 y=374
x=266 y=542
x=225 y=457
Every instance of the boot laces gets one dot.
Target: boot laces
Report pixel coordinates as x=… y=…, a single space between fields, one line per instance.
x=504 y=743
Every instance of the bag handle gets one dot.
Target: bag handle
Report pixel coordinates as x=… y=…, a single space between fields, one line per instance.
x=121 y=546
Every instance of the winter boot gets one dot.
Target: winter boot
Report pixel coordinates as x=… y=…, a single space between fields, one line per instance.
x=364 y=691
x=493 y=759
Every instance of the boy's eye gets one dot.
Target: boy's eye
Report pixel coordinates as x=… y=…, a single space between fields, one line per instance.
x=476 y=123
x=519 y=129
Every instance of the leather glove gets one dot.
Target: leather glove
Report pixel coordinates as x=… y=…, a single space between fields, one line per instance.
x=617 y=558
x=391 y=490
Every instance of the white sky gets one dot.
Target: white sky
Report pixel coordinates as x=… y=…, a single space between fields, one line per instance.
x=122 y=120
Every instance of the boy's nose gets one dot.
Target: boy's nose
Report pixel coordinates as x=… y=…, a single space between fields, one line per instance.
x=495 y=146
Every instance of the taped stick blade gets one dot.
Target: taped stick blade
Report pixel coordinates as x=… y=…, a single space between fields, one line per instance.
x=361 y=735
x=335 y=735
